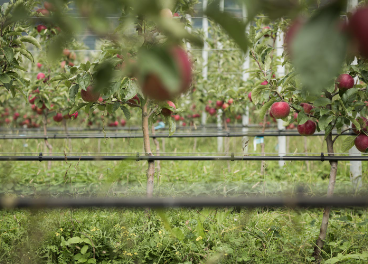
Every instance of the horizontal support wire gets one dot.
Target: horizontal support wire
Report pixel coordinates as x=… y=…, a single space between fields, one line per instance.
x=295 y=202
x=322 y=157
x=161 y=135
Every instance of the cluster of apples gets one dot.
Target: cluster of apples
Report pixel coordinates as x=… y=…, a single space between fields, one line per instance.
x=34 y=95
x=69 y=58
x=219 y=104
x=25 y=120
x=48 y=7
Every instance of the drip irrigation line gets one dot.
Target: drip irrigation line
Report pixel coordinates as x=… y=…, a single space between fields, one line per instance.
x=161 y=135
x=138 y=157
x=295 y=202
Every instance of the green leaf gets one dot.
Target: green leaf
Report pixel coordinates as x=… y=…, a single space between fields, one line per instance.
x=319 y=48
x=77 y=107
x=73 y=92
x=91 y=260
x=84 y=249
x=25 y=53
x=302 y=118
x=5 y=78
x=257 y=93
x=348 y=143
x=265 y=107
x=31 y=40
x=74 y=240
x=322 y=102
x=172 y=126
x=9 y=54
x=126 y=111
x=324 y=121
x=355 y=122
x=328 y=130
x=235 y=28
x=84 y=80
x=178 y=233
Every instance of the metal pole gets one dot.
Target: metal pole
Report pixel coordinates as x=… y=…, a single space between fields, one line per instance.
x=280 y=72
x=205 y=55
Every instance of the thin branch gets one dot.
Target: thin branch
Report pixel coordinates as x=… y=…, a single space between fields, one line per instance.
x=254 y=57
x=333 y=141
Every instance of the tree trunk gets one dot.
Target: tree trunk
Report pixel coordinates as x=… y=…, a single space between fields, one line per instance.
x=66 y=133
x=263 y=163
x=227 y=144
x=147 y=150
x=306 y=152
x=47 y=144
x=157 y=144
x=326 y=214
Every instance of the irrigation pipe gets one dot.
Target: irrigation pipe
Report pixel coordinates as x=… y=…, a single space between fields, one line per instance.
x=296 y=202
x=138 y=157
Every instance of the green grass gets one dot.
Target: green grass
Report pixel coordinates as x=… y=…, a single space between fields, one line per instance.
x=197 y=235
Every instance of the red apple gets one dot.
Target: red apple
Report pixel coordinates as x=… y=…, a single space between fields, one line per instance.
x=364 y=127
x=134 y=102
x=361 y=143
x=358 y=25
x=89 y=95
x=175 y=15
x=39 y=111
x=36 y=91
x=43 y=11
x=228 y=120
x=307 y=107
x=184 y=124
x=40 y=28
x=345 y=81
x=122 y=122
x=72 y=56
x=74 y=116
x=34 y=107
x=166 y=111
x=231 y=101
x=271 y=115
x=31 y=100
x=176 y=117
x=225 y=105
x=39 y=65
x=250 y=96
x=7 y=120
x=280 y=110
x=307 y=129
x=66 y=52
x=212 y=111
x=219 y=103
x=71 y=64
x=113 y=124
x=207 y=108
x=264 y=83
x=16 y=115
x=100 y=100
x=41 y=76
x=295 y=115
x=58 y=117
x=62 y=64
x=238 y=117
x=153 y=87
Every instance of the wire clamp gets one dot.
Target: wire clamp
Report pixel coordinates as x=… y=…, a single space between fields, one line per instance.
x=322 y=157
x=232 y=156
x=40 y=157
x=137 y=156
x=54 y=135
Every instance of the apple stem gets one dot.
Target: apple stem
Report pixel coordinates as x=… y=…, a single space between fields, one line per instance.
x=330 y=190
x=147 y=149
